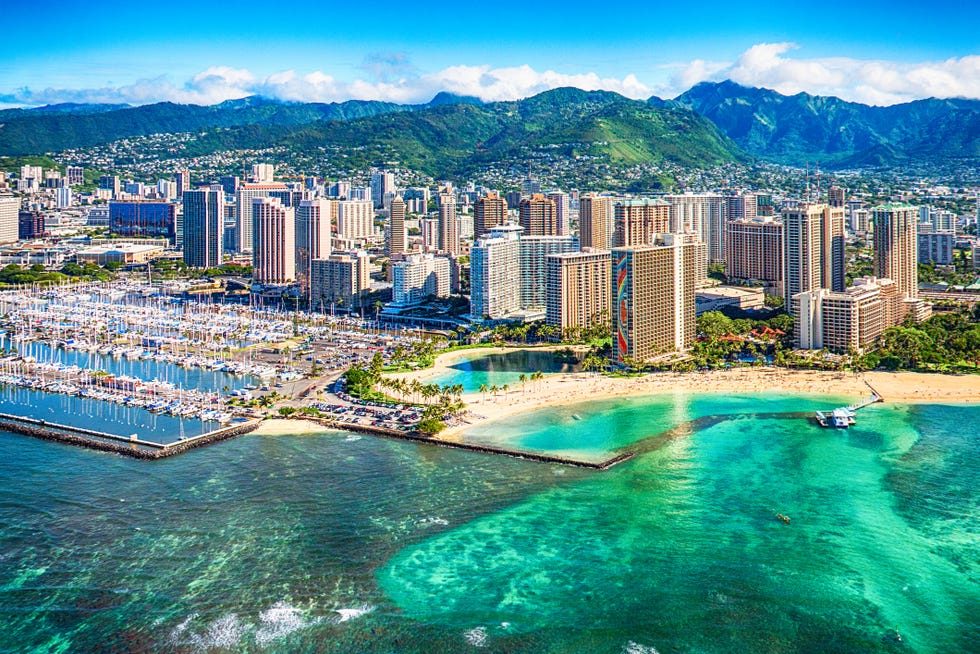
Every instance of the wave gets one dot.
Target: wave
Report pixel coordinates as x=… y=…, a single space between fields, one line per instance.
x=636 y=648
x=229 y=631
x=476 y=637
x=281 y=620
x=432 y=521
x=355 y=612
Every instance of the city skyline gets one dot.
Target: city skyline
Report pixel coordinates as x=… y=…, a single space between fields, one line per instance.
x=874 y=54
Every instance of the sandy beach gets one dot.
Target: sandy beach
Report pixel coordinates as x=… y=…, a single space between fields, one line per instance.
x=283 y=427
x=557 y=389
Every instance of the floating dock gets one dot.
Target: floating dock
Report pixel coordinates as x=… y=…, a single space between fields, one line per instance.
x=843 y=417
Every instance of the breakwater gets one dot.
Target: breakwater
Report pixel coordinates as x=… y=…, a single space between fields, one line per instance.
x=131 y=446
x=417 y=437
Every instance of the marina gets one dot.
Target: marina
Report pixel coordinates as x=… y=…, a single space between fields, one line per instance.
x=92 y=413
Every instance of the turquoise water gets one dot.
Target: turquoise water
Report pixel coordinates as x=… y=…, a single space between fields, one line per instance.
x=595 y=430
x=336 y=543
x=494 y=368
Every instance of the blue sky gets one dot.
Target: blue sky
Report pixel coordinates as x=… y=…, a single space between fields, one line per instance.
x=877 y=52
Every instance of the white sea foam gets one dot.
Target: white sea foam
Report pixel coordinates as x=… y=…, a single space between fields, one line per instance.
x=175 y=635
x=280 y=620
x=476 y=637
x=354 y=612
x=352 y=437
x=636 y=648
x=433 y=521
x=224 y=632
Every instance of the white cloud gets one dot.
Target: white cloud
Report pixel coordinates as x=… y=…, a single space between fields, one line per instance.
x=868 y=81
x=391 y=77
x=220 y=83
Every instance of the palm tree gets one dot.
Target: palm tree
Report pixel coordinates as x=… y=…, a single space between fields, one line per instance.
x=523 y=380
x=505 y=388
x=483 y=390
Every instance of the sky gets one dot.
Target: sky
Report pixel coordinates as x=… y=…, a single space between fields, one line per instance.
x=873 y=52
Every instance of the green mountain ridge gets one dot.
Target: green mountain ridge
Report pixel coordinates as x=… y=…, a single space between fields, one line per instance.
x=830 y=131
x=453 y=139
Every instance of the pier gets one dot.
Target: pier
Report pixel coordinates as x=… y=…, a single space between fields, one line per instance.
x=131 y=446
x=843 y=417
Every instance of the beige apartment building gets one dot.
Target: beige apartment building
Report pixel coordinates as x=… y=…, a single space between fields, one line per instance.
x=579 y=290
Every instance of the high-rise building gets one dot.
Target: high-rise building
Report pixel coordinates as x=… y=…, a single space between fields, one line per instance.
x=836 y=196
x=62 y=196
x=639 y=221
x=263 y=173
x=396 y=227
x=312 y=236
x=355 y=219
x=529 y=186
x=741 y=206
x=844 y=321
x=382 y=182
x=110 y=183
x=166 y=190
x=563 y=211
x=143 y=219
x=9 y=219
x=183 y=182
x=579 y=289
x=596 y=216
x=860 y=220
x=204 y=226
x=243 y=226
x=936 y=247
x=75 y=175
x=418 y=277
x=495 y=262
x=32 y=172
x=754 y=251
x=702 y=214
x=813 y=249
x=342 y=279
x=229 y=184
x=489 y=211
x=273 y=241
x=534 y=251
x=896 y=245
x=653 y=299
x=30 y=224
x=448 y=227
x=538 y=216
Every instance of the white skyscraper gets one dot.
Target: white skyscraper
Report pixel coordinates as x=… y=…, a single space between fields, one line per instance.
x=263 y=173
x=355 y=219
x=495 y=268
x=417 y=277
x=243 y=225
x=9 y=217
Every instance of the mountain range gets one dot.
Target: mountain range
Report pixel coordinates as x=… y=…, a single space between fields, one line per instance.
x=833 y=132
x=708 y=124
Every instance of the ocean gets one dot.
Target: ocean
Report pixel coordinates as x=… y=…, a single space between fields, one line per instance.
x=341 y=543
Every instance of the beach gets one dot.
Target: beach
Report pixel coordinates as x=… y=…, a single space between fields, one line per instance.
x=568 y=388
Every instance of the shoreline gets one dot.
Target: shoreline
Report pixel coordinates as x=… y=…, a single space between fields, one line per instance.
x=558 y=389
